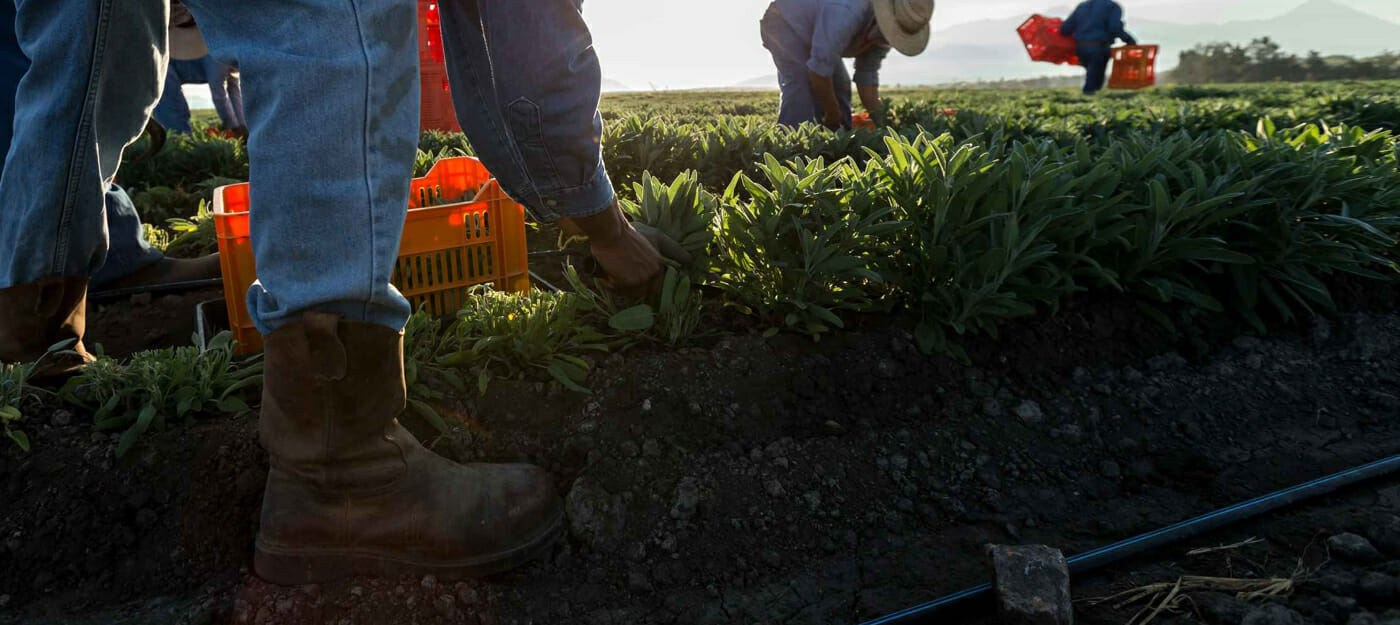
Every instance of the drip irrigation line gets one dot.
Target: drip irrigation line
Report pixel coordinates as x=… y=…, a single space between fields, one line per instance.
x=1091 y=560
x=544 y=283
x=168 y=287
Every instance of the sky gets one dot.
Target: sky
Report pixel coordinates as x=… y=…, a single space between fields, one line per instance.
x=686 y=44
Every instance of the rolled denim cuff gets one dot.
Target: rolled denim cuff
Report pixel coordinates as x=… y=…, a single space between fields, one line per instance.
x=584 y=200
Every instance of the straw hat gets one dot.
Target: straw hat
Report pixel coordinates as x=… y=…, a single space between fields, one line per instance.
x=905 y=23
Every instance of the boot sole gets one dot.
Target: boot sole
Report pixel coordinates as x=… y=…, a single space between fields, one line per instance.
x=297 y=567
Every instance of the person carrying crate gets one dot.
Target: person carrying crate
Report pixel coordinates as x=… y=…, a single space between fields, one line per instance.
x=810 y=38
x=1095 y=25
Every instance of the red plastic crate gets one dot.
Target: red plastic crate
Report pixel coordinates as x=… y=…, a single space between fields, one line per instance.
x=446 y=248
x=437 y=111
x=1043 y=41
x=1134 y=67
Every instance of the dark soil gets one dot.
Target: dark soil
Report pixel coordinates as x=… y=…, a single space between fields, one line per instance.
x=754 y=480
x=147 y=321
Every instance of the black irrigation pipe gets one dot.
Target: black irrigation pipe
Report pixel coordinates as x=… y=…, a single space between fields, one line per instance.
x=169 y=287
x=1089 y=561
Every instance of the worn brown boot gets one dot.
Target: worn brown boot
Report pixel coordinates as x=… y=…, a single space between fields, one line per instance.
x=39 y=315
x=351 y=492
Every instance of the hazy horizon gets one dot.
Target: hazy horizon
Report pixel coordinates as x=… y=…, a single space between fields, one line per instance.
x=667 y=44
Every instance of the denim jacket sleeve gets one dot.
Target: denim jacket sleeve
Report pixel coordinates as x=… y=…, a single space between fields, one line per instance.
x=1071 y=25
x=868 y=66
x=837 y=23
x=1116 y=27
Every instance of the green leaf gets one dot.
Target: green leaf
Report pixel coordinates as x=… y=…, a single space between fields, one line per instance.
x=638 y=318
x=143 y=421
x=233 y=404
x=429 y=414
x=558 y=370
x=20 y=438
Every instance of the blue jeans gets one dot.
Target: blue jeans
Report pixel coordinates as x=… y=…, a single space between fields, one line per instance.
x=129 y=250
x=1095 y=60
x=333 y=117
x=525 y=85
x=173 y=111
x=790 y=52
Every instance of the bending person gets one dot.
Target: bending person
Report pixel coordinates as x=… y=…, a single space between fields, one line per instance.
x=190 y=64
x=526 y=84
x=1095 y=25
x=810 y=38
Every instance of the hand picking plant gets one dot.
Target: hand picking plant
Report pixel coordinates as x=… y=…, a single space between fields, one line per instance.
x=675 y=318
x=156 y=386
x=683 y=211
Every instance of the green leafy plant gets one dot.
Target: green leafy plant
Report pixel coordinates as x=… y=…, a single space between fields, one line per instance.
x=17 y=394
x=424 y=376
x=155 y=387
x=508 y=335
x=804 y=247
x=195 y=236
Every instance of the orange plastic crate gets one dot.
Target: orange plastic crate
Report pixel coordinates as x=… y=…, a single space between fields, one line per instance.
x=1043 y=41
x=436 y=112
x=446 y=249
x=1134 y=67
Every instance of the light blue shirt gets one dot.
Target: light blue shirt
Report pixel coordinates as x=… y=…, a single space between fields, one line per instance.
x=839 y=29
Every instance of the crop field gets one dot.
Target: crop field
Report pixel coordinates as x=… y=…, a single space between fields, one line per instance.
x=1003 y=317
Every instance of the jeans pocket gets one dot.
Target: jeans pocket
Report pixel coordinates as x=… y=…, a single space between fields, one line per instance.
x=523 y=115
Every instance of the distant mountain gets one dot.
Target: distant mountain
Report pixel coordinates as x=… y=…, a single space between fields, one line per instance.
x=612 y=86
x=990 y=49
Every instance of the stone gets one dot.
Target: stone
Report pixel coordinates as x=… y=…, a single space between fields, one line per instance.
x=1364 y=618
x=992 y=408
x=1385 y=533
x=1030 y=412
x=774 y=488
x=1272 y=614
x=1032 y=585
x=595 y=515
x=687 y=499
x=1354 y=548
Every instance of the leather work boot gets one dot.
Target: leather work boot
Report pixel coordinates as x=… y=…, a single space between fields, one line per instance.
x=351 y=492
x=39 y=315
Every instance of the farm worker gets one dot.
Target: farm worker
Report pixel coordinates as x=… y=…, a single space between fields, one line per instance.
x=809 y=38
x=525 y=84
x=131 y=261
x=190 y=64
x=1095 y=25
x=333 y=99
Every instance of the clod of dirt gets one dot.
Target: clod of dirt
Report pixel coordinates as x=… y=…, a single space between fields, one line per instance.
x=1353 y=547
x=595 y=515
